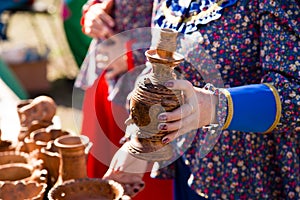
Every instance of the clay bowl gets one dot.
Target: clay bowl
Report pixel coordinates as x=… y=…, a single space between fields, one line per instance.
x=15 y=172
x=42 y=136
x=7 y=157
x=6 y=145
x=22 y=172
x=87 y=189
x=21 y=190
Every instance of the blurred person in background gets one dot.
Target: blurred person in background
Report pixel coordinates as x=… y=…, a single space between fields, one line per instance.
x=77 y=40
x=102 y=20
x=9 y=5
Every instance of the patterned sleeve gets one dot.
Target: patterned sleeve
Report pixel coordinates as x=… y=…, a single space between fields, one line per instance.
x=280 y=56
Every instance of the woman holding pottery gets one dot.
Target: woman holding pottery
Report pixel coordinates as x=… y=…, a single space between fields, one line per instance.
x=255 y=48
x=110 y=58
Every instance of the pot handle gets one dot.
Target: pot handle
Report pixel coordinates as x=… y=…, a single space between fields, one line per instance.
x=88 y=147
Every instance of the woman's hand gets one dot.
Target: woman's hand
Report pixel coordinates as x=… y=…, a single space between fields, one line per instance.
x=127 y=170
x=97 y=21
x=116 y=68
x=197 y=111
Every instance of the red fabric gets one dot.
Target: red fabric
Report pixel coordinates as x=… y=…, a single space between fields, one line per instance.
x=107 y=128
x=85 y=9
x=129 y=54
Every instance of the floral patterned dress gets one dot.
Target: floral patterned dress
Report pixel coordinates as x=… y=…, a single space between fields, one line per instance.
x=251 y=42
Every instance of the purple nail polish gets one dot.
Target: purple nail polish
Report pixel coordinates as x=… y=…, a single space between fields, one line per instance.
x=165 y=141
x=162 y=127
x=162 y=117
x=169 y=84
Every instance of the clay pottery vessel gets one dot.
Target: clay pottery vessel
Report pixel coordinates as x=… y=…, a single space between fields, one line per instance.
x=6 y=145
x=7 y=157
x=22 y=172
x=51 y=162
x=34 y=114
x=150 y=97
x=40 y=138
x=87 y=189
x=73 y=153
x=22 y=190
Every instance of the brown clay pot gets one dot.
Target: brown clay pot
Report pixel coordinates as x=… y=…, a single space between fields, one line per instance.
x=6 y=145
x=35 y=125
x=51 y=162
x=22 y=190
x=34 y=114
x=7 y=157
x=41 y=137
x=150 y=97
x=22 y=171
x=72 y=150
x=87 y=188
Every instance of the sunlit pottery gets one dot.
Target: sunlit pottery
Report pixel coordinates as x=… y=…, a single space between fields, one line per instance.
x=51 y=162
x=150 y=97
x=40 y=138
x=22 y=172
x=73 y=151
x=6 y=145
x=87 y=189
x=22 y=190
x=7 y=157
x=35 y=114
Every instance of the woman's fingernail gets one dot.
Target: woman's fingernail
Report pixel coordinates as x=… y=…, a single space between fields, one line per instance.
x=165 y=141
x=169 y=84
x=162 y=127
x=162 y=117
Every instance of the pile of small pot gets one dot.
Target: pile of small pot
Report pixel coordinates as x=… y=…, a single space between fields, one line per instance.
x=35 y=167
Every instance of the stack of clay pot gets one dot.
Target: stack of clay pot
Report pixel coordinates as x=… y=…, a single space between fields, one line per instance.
x=22 y=173
x=29 y=167
x=21 y=176
x=46 y=162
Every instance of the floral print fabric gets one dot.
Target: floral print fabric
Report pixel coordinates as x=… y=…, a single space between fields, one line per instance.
x=254 y=41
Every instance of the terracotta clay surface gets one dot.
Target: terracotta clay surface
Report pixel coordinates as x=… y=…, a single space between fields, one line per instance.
x=7 y=157
x=34 y=114
x=73 y=155
x=150 y=98
x=22 y=190
x=87 y=189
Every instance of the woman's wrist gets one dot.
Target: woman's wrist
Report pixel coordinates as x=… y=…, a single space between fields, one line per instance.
x=218 y=105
